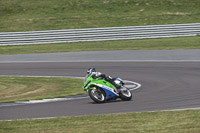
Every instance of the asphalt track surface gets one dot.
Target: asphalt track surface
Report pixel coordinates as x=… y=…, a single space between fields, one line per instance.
x=166 y=85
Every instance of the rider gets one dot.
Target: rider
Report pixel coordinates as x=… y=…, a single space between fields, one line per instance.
x=101 y=76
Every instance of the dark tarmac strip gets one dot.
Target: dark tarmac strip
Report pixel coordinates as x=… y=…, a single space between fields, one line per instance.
x=165 y=86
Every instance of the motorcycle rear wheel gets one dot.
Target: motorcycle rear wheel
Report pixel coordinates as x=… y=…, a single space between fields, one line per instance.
x=97 y=95
x=125 y=94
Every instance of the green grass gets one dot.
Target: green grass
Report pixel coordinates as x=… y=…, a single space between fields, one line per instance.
x=31 y=15
x=166 y=43
x=32 y=88
x=159 y=122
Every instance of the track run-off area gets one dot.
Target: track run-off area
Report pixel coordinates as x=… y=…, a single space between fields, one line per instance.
x=169 y=79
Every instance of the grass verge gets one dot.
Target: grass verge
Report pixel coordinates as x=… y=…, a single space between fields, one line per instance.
x=33 y=88
x=162 y=122
x=31 y=15
x=164 y=43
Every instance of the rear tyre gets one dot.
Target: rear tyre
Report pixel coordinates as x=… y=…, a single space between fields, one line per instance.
x=125 y=94
x=97 y=95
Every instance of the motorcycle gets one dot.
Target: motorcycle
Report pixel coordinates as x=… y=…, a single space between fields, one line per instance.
x=100 y=90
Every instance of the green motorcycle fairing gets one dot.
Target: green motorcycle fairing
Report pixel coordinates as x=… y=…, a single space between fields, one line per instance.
x=90 y=83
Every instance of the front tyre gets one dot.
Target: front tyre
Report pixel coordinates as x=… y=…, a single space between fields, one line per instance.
x=97 y=95
x=125 y=94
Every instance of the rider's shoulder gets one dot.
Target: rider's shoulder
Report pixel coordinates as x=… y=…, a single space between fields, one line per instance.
x=98 y=73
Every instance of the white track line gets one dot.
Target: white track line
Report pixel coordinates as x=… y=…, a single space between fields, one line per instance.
x=101 y=61
x=136 y=85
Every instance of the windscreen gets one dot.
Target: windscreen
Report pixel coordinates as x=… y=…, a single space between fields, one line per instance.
x=86 y=77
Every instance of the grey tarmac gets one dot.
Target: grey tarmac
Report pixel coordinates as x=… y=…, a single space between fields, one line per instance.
x=107 y=56
x=165 y=86
x=169 y=79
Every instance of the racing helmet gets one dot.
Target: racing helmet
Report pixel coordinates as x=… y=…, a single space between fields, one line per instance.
x=90 y=70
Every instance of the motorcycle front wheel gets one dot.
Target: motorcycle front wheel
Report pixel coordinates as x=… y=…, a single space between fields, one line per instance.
x=97 y=95
x=125 y=94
